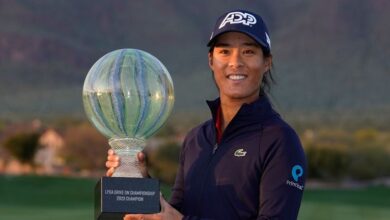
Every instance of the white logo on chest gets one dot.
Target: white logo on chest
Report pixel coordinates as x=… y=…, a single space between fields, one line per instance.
x=240 y=153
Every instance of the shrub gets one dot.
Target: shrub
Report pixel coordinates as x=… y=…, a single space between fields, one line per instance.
x=163 y=162
x=335 y=154
x=327 y=161
x=23 y=146
x=366 y=135
x=85 y=148
x=368 y=162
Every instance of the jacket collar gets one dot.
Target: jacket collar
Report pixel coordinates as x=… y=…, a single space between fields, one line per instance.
x=253 y=113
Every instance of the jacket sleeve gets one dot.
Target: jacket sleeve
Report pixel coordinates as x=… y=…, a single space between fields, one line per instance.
x=283 y=176
x=178 y=188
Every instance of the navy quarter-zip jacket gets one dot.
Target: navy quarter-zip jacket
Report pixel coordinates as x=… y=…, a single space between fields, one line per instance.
x=257 y=171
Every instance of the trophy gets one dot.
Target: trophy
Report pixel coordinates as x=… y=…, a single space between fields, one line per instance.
x=128 y=95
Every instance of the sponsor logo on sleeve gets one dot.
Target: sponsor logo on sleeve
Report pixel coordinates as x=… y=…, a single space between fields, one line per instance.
x=296 y=173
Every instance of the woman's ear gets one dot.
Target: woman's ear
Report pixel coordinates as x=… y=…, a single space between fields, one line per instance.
x=268 y=63
x=211 y=60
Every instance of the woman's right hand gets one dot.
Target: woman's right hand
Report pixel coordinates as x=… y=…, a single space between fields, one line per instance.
x=113 y=161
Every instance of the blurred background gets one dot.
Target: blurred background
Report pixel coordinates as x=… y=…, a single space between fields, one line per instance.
x=332 y=85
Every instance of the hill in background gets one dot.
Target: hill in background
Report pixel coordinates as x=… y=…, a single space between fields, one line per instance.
x=330 y=57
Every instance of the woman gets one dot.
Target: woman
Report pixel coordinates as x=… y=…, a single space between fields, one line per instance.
x=245 y=162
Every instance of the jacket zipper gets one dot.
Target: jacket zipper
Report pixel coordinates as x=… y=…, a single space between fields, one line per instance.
x=215 y=148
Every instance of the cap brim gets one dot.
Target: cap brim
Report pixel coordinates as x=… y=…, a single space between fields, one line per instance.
x=262 y=44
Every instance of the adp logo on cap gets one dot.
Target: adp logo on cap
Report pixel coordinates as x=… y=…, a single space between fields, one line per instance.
x=296 y=172
x=245 y=22
x=237 y=18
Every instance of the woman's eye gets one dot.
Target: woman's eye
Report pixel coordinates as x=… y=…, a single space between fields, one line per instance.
x=223 y=51
x=249 y=52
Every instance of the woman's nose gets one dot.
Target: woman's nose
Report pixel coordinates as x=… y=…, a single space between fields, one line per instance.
x=235 y=60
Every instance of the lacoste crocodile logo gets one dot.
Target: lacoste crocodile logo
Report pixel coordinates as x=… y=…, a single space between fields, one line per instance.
x=240 y=153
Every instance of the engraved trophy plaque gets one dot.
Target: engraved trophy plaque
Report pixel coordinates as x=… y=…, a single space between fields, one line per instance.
x=128 y=95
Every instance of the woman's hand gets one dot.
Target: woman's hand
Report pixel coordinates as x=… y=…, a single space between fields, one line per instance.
x=113 y=161
x=167 y=213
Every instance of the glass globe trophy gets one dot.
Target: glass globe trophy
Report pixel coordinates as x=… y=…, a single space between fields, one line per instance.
x=128 y=95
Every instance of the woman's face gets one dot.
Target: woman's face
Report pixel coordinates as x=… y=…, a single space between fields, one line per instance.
x=238 y=64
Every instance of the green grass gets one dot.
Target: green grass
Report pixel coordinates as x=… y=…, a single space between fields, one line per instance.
x=62 y=198
x=34 y=198
x=358 y=204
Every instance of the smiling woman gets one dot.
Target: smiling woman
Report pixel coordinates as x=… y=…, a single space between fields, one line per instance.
x=246 y=161
x=239 y=65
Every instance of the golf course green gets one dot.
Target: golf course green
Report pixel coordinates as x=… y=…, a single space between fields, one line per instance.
x=63 y=198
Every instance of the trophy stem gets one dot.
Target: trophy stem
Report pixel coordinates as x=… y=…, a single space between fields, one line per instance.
x=127 y=149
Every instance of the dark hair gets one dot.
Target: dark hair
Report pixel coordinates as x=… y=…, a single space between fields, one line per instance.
x=268 y=79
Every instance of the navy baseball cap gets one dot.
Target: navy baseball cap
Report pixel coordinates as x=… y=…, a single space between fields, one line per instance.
x=245 y=22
